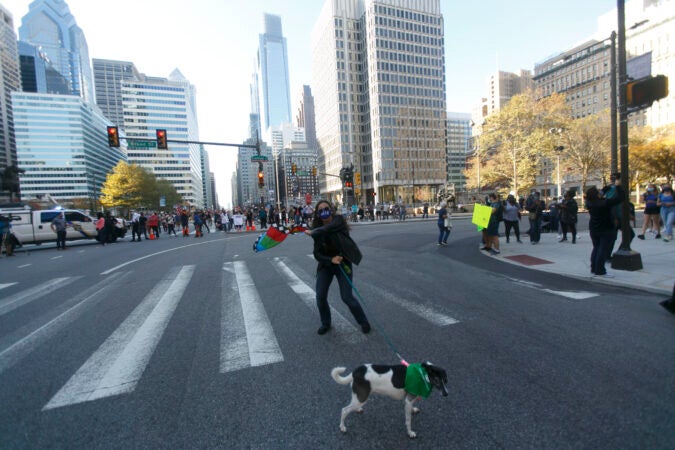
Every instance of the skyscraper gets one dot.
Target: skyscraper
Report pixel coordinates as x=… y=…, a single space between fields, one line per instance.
x=270 y=83
x=165 y=103
x=62 y=145
x=108 y=76
x=379 y=66
x=9 y=81
x=50 y=26
x=306 y=117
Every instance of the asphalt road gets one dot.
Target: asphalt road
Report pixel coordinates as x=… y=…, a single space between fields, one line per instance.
x=184 y=342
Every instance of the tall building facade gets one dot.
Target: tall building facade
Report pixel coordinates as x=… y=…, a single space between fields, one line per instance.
x=500 y=87
x=38 y=74
x=10 y=81
x=271 y=86
x=248 y=191
x=62 y=146
x=583 y=74
x=51 y=27
x=108 y=77
x=379 y=75
x=306 y=116
x=459 y=138
x=649 y=31
x=305 y=179
x=165 y=103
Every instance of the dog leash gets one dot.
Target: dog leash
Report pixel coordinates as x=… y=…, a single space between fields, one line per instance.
x=344 y=269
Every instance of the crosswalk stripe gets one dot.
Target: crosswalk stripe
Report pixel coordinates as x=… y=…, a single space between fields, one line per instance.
x=249 y=342
x=341 y=325
x=44 y=328
x=118 y=364
x=27 y=296
x=5 y=285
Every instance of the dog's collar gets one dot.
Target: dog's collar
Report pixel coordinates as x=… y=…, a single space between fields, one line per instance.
x=417 y=380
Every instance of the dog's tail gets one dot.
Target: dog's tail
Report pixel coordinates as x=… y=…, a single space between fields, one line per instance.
x=335 y=373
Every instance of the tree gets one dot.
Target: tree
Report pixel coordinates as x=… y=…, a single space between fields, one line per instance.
x=587 y=146
x=124 y=188
x=652 y=154
x=516 y=138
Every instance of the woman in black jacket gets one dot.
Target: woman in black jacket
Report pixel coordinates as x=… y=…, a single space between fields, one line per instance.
x=601 y=227
x=335 y=251
x=568 y=216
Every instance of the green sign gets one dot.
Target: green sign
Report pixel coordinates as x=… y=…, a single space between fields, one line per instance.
x=302 y=173
x=258 y=158
x=136 y=145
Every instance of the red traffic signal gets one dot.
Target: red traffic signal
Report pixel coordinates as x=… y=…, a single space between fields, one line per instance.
x=113 y=137
x=261 y=179
x=349 y=184
x=161 y=139
x=294 y=168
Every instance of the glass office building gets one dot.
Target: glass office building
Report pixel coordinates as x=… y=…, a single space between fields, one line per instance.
x=51 y=27
x=271 y=77
x=165 y=103
x=62 y=145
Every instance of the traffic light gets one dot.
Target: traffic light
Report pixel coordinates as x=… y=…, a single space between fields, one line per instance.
x=349 y=184
x=261 y=179
x=642 y=93
x=314 y=171
x=294 y=168
x=357 y=178
x=113 y=137
x=161 y=139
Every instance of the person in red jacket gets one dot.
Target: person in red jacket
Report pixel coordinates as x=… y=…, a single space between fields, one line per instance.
x=153 y=224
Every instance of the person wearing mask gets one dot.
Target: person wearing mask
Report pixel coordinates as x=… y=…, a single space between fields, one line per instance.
x=444 y=229
x=335 y=252
x=512 y=218
x=601 y=227
x=568 y=216
x=667 y=204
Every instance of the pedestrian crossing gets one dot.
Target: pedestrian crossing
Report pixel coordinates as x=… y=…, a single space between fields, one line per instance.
x=247 y=337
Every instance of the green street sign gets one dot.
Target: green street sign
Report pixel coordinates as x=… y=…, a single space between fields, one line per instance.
x=137 y=145
x=258 y=158
x=302 y=173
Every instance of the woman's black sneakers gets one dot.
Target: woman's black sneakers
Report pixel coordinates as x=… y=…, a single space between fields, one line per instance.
x=323 y=329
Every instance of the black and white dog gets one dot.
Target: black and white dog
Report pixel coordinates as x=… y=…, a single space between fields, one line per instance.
x=387 y=380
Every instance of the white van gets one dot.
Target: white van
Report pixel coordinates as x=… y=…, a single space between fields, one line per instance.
x=34 y=226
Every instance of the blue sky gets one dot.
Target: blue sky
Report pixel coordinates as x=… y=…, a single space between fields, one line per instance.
x=213 y=43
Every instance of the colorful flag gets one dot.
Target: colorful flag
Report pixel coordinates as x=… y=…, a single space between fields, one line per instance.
x=481 y=215
x=275 y=236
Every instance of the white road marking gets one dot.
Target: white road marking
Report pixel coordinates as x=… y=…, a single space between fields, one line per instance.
x=24 y=265
x=575 y=295
x=341 y=325
x=56 y=257
x=118 y=364
x=21 y=298
x=249 y=342
x=5 y=285
x=152 y=255
x=581 y=295
x=45 y=327
x=427 y=313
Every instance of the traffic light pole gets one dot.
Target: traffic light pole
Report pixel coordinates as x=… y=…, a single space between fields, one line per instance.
x=624 y=258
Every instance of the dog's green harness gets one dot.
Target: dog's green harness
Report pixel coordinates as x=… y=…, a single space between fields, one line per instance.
x=417 y=381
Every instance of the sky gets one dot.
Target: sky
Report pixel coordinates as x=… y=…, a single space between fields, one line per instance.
x=214 y=43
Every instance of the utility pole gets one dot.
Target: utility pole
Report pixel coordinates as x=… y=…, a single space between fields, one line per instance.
x=624 y=258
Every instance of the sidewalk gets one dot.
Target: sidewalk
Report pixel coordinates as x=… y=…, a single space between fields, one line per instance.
x=573 y=260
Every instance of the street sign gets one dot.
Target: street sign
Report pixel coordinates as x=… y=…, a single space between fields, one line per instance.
x=259 y=158
x=302 y=173
x=137 y=145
